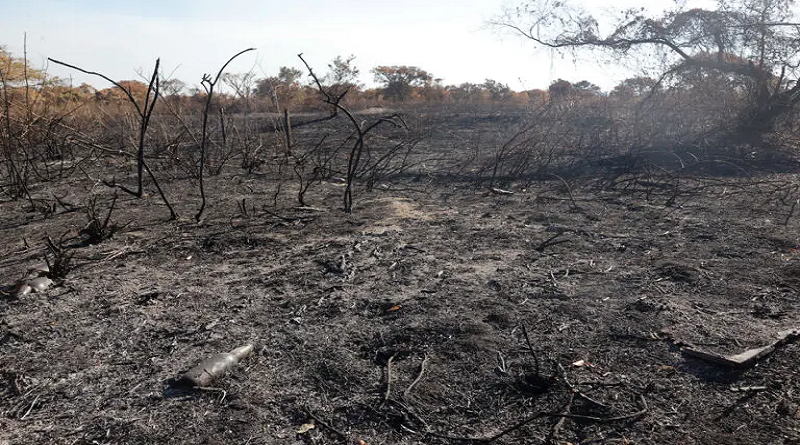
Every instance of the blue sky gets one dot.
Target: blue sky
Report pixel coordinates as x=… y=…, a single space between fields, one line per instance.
x=448 y=38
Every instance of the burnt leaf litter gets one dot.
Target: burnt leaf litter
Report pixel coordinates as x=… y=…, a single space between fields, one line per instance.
x=438 y=311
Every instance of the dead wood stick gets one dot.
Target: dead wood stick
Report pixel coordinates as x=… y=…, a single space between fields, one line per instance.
x=576 y=391
x=550 y=242
x=539 y=415
x=639 y=413
x=572 y=416
x=36 y=399
x=303 y=219
x=746 y=358
x=498 y=191
x=419 y=377
x=530 y=348
x=410 y=413
x=569 y=190
x=326 y=425
x=560 y=424
x=388 y=378
x=748 y=388
x=582 y=395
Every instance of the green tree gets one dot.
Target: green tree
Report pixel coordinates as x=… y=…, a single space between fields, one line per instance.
x=342 y=72
x=561 y=90
x=585 y=88
x=16 y=71
x=289 y=75
x=635 y=87
x=284 y=89
x=497 y=91
x=399 y=81
x=342 y=76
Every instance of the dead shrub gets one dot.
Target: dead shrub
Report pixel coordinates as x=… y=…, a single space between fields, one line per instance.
x=99 y=229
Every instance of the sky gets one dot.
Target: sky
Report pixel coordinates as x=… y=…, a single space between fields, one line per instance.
x=448 y=38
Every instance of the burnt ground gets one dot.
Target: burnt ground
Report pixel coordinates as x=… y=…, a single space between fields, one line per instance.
x=429 y=282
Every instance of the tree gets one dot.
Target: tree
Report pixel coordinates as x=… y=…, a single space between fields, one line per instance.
x=584 y=88
x=399 y=81
x=15 y=71
x=561 y=90
x=435 y=92
x=536 y=96
x=60 y=93
x=123 y=89
x=342 y=76
x=342 y=72
x=635 y=87
x=289 y=75
x=466 y=93
x=754 y=44
x=243 y=85
x=172 y=87
x=283 y=89
x=497 y=91
x=208 y=83
x=144 y=109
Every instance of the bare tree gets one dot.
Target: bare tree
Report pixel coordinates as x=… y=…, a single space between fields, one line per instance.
x=754 y=43
x=243 y=85
x=208 y=85
x=145 y=112
x=361 y=128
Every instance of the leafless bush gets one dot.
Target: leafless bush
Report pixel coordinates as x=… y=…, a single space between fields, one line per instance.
x=363 y=132
x=208 y=84
x=34 y=142
x=534 y=147
x=314 y=161
x=144 y=113
x=58 y=258
x=673 y=130
x=98 y=227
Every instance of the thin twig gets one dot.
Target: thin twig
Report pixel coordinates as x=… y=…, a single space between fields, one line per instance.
x=419 y=377
x=31 y=407
x=326 y=425
x=211 y=389
x=560 y=424
x=510 y=429
x=388 y=378
x=530 y=348
x=569 y=190
x=578 y=392
x=539 y=415
x=550 y=241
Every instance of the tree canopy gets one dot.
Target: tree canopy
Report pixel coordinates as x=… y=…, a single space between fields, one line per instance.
x=342 y=72
x=14 y=71
x=285 y=85
x=399 y=81
x=753 y=43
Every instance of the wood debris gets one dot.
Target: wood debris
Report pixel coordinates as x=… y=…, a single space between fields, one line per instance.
x=746 y=358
